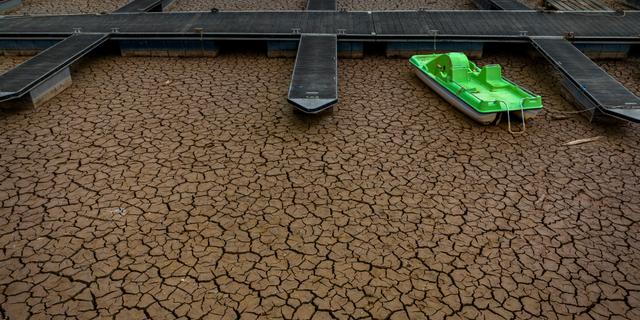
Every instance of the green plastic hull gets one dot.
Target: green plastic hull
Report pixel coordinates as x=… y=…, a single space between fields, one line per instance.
x=480 y=93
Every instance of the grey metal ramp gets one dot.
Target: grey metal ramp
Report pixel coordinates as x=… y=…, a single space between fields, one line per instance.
x=501 y=5
x=21 y=79
x=600 y=89
x=9 y=5
x=314 y=83
x=141 y=6
x=313 y=5
x=577 y=5
x=505 y=25
x=633 y=3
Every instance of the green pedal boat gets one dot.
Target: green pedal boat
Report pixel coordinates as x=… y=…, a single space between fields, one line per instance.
x=480 y=93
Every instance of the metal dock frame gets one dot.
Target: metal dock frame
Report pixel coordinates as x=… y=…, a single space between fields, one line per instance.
x=314 y=82
x=591 y=88
x=47 y=73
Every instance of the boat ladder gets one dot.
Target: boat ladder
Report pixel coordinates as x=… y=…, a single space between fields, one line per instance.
x=522 y=117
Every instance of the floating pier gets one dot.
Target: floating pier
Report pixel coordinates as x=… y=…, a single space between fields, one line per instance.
x=314 y=83
x=319 y=37
x=494 y=26
x=589 y=87
x=46 y=74
x=406 y=49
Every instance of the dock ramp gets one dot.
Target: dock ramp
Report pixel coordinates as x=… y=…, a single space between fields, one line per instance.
x=314 y=83
x=591 y=87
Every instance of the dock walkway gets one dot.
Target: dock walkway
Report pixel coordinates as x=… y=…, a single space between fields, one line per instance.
x=591 y=87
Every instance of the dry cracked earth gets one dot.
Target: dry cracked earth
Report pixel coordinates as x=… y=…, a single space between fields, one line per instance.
x=88 y=6
x=188 y=188
x=68 y=6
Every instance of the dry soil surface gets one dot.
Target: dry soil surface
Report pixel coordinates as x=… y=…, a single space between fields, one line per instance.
x=204 y=5
x=359 y=5
x=88 y=6
x=68 y=6
x=363 y=5
x=242 y=5
x=168 y=188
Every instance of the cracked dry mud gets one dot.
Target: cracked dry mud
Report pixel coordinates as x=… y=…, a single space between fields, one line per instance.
x=364 y=5
x=88 y=6
x=68 y=6
x=204 y=5
x=166 y=188
x=359 y=5
x=243 y=5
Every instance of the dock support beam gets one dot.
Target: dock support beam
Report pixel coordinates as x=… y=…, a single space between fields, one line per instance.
x=22 y=47
x=169 y=48
x=282 y=48
x=604 y=50
x=289 y=49
x=408 y=49
x=314 y=83
x=49 y=88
